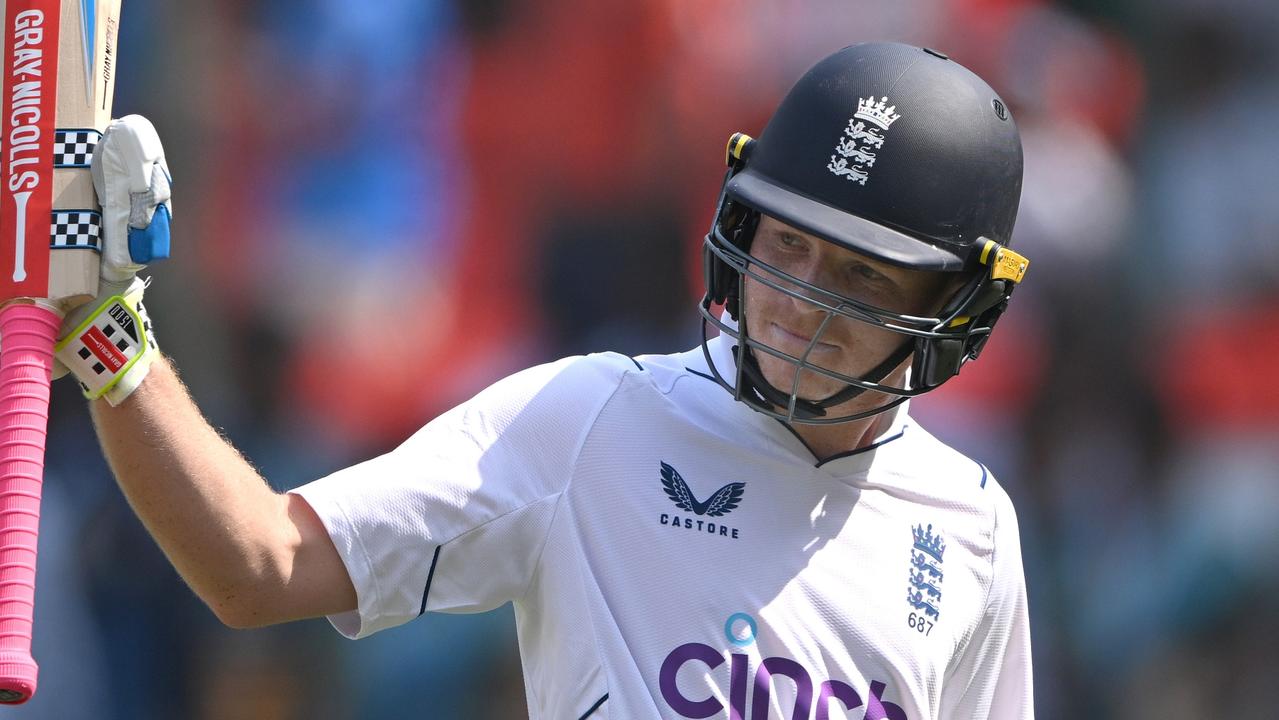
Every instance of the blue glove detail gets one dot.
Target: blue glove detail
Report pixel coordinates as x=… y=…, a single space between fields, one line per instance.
x=151 y=243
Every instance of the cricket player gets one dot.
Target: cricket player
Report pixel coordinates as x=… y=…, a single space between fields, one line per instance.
x=752 y=529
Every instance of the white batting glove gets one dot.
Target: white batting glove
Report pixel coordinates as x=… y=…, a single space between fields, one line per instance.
x=107 y=343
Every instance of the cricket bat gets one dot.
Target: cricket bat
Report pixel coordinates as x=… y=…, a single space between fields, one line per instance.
x=55 y=101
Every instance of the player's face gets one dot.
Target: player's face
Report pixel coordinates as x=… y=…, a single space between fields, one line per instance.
x=846 y=346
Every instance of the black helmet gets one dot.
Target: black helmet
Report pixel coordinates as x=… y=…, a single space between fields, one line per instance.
x=897 y=153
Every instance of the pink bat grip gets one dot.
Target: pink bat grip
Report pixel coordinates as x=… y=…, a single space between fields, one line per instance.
x=27 y=336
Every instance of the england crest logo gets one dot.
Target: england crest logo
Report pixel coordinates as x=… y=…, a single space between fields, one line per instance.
x=924 y=592
x=855 y=152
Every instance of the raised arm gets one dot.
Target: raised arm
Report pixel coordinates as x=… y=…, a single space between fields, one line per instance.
x=254 y=556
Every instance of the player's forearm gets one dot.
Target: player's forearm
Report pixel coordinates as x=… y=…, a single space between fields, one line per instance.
x=214 y=516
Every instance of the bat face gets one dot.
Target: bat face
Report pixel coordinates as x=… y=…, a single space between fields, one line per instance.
x=55 y=100
x=28 y=107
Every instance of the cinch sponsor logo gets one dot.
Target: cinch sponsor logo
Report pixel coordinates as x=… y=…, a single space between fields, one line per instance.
x=740 y=630
x=720 y=503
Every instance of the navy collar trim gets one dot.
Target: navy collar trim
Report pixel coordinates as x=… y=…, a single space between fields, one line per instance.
x=860 y=450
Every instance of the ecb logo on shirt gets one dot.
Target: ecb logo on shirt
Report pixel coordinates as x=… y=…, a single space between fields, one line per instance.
x=720 y=503
x=924 y=592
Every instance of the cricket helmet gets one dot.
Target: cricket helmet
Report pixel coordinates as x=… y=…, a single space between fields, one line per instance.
x=894 y=152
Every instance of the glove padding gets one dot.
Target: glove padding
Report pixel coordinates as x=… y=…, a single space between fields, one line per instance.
x=132 y=180
x=110 y=347
x=133 y=183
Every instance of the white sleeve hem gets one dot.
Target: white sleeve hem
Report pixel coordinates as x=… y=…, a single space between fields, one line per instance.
x=354 y=624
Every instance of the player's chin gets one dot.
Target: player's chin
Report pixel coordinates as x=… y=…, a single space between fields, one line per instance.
x=781 y=374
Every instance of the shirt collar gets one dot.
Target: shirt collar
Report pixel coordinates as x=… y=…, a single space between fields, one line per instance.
x=847 y=463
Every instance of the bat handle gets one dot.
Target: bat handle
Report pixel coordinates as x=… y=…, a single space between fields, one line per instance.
x=27 y=336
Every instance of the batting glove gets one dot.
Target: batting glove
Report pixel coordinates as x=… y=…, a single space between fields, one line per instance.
x=107 y=343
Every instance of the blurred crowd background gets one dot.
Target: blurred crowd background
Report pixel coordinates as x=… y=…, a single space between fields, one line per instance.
x=382 y=207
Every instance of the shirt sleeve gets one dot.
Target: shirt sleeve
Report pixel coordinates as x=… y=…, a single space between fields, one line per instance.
x=992 y=677
x=455 y=518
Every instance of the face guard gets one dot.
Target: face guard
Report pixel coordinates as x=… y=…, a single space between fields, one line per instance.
x=938 y=345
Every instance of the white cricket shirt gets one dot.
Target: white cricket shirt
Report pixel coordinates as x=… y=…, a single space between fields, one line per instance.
x=671 y=553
